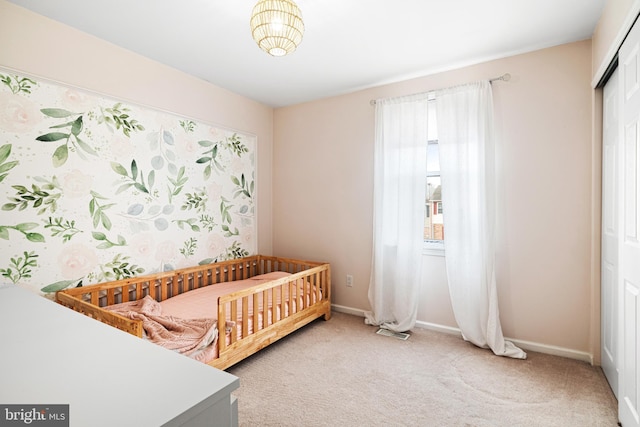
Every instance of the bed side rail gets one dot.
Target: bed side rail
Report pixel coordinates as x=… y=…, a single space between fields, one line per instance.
x=308 y=290
x=161 y=286
x=131 y=326
x=268 y=264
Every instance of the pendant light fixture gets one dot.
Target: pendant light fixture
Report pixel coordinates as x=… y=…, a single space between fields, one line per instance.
x=276 y=26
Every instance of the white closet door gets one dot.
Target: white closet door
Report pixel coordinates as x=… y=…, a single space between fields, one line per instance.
x=610 y=344
x=629 y=246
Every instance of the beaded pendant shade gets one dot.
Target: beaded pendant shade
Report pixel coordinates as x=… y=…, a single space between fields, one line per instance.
x=276 y=26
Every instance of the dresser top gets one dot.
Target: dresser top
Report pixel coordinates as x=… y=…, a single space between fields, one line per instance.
x=53 y=355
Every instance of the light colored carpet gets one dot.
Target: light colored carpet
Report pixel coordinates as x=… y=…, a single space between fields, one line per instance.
x=341 y=373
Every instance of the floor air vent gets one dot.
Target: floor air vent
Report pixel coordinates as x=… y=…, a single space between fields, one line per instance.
x=388 y=333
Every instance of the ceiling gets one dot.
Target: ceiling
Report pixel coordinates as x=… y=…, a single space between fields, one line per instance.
x=348 y=44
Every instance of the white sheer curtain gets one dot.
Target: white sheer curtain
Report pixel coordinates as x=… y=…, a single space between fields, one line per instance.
x=400 y=168
x=467 y=171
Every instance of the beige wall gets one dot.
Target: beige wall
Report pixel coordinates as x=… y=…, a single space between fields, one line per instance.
x=323 y=193
x=613 y=25
x=44 y=48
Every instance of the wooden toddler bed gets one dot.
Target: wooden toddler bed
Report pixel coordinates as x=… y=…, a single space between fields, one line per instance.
x=228 y=296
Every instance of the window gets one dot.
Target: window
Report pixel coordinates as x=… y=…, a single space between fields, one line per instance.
x=433 y=224
x=433 y=221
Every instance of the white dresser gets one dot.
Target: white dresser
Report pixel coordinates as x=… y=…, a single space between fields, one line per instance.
x=50 y=354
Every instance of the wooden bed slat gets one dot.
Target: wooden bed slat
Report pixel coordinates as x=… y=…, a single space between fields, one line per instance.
x=292 y=297
x=256 y=313
x=245 y=315
x=111 y=296
x=234 y=315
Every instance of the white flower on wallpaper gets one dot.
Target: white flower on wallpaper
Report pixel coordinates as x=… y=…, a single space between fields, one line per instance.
x=94 y=189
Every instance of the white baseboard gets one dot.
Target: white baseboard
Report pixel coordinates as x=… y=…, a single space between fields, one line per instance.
x=553 y=350
x=347 y=310
x=439 y=328
x=525 y=345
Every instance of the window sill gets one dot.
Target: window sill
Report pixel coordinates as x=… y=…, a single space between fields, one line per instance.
x=433 y=249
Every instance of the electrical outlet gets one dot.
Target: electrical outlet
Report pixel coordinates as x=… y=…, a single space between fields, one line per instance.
x=349 y=280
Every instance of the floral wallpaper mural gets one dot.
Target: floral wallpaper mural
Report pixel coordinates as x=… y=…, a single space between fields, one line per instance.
x=93 y=189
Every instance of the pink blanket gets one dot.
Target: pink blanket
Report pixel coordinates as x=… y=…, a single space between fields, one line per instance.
x=185 y=336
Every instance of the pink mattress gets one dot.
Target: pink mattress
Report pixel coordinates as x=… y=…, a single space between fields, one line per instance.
x=202 y=304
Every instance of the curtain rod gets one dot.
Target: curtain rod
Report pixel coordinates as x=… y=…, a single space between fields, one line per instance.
x=505 y=78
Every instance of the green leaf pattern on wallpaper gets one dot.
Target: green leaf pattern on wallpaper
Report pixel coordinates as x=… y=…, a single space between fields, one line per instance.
x=94 y=189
